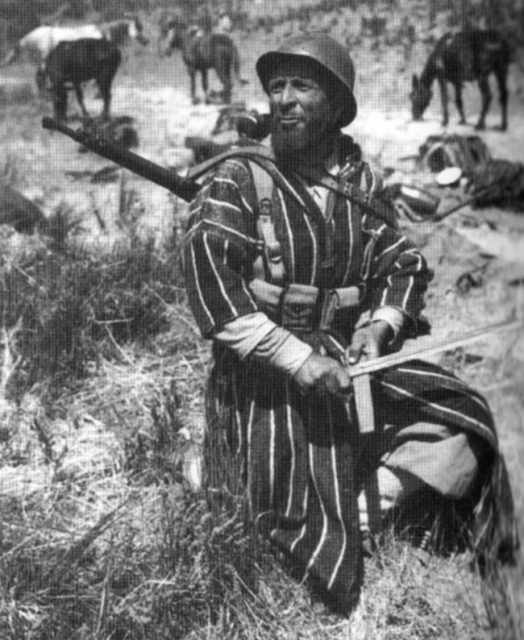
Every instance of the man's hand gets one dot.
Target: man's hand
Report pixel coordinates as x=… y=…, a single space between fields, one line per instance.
x=370 y=341
x=323 y=374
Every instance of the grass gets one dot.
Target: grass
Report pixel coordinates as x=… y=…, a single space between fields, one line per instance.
x=108 y=540
x=115 y=545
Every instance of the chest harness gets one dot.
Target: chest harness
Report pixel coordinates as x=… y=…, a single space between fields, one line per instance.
x=297 y=307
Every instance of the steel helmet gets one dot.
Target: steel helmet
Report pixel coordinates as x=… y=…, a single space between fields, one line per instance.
x=327 y=52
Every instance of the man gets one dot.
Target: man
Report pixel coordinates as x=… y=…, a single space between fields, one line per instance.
x=285 y=273
x=224 y=24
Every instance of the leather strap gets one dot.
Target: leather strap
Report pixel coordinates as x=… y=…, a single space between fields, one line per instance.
x=266 y=228
x=264 y=157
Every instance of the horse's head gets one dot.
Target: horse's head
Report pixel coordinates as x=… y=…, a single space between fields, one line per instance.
x=175 y=37
x=420 y=97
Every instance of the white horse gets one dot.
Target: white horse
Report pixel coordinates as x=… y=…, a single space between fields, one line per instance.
x=39 y=42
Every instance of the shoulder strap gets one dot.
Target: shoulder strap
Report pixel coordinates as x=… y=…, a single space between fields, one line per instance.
x=264 y=185
x=262 y=180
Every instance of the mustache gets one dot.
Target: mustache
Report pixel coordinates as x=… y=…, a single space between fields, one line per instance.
x=279 y=114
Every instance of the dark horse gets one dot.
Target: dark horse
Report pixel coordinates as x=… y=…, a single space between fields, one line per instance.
x=464 y=57
x=202 y=51
x=71 y=63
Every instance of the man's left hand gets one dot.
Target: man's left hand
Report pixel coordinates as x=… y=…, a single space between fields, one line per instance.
x=370 y=341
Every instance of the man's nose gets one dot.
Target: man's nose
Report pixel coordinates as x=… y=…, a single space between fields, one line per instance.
x=289 y=95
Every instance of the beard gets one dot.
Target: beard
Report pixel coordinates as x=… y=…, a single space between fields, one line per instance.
x=299 y=143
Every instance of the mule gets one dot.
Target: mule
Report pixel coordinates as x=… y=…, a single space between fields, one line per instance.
x=466 y=56
x=121 y=31
x=76 y=62
x=202 y=51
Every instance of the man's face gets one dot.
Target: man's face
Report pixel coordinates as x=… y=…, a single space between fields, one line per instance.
x=301 y=112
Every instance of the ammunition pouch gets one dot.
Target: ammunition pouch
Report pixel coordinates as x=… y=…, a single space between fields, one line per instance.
x=301 y=307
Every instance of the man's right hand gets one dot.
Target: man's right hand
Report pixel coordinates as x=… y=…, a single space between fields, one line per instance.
x=323 y=374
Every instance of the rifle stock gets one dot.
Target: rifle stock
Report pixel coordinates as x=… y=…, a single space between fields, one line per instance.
x=169 y=179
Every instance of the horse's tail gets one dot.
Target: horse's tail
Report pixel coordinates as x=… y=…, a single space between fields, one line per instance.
x=235 y=60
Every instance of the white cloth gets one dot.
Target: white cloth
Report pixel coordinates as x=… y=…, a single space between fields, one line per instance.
x=393 y=316
x=255 y=334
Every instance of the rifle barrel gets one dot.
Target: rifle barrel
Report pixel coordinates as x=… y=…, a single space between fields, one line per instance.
x=167 y=178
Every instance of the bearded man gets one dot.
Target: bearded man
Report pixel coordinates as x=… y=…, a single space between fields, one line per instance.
x=291 y=262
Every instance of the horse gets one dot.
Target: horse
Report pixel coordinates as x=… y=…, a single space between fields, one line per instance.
x=466 y=56
x=78 y=61
x=202 y=51
x=120 y=31
x=39 y=42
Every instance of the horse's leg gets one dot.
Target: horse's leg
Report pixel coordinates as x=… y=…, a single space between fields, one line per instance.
x=501 y=75
x=444 y=100
x=224 y=75
x=80 y=98
x=59 y=101
x=485 y=92
x=104 y=82
x=192 y=82
x=205 y=84
x=458 y=102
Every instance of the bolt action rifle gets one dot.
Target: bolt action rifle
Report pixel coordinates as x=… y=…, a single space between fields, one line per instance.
x=182 y=187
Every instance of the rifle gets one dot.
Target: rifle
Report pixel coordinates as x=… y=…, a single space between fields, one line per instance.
x=250 y=130
x=183 y=187
x=180 y=186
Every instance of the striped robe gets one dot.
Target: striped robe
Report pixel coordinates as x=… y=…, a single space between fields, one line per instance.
x=298 y=455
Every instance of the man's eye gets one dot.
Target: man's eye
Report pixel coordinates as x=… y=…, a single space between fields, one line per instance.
x=275 y=86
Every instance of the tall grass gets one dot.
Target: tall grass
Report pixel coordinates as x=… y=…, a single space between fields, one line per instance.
x=73 y=305
x=127 y=551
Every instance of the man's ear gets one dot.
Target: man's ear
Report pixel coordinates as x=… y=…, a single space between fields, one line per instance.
x=338 y=115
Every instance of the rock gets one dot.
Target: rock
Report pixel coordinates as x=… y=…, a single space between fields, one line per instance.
x=19 y=211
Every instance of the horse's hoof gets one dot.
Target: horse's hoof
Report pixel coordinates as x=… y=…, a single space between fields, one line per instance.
x=480 y=126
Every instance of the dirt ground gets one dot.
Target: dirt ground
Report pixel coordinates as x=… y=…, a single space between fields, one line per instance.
x=489 y=242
